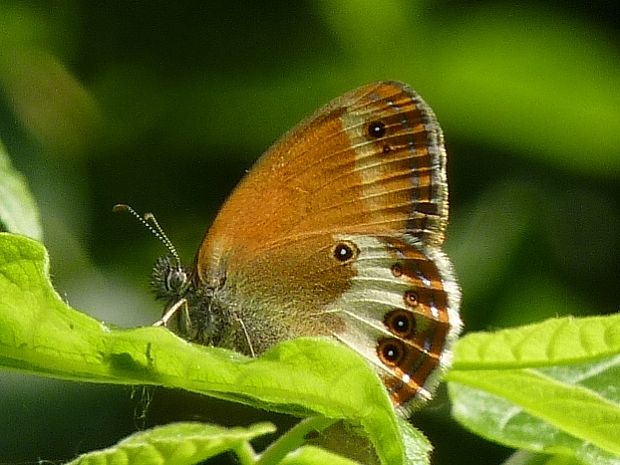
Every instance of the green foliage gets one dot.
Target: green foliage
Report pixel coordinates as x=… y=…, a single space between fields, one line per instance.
x=548 y=387
x=177 y=443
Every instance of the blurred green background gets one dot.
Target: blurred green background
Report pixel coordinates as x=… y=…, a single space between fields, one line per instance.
x=163 y=105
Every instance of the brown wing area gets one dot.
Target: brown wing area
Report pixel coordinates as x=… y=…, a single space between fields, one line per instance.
x=370 y=162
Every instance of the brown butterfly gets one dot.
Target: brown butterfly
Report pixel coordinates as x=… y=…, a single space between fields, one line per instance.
x=336 y=231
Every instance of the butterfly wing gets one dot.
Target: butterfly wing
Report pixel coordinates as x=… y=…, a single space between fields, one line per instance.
x=337 y=231
x=370 y=161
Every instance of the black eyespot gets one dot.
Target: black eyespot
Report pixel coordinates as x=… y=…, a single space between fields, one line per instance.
x=390 y=351
x=401 y=323
x=344 y=251
x=376 y=129
x=387 y=149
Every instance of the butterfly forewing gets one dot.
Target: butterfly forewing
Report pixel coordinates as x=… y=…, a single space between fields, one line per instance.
x=335 y=172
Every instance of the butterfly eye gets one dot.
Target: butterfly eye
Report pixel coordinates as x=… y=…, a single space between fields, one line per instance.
x=345 y=251
x=169 y=279
x=176 y=280
x=376 y=129
x=390 y=351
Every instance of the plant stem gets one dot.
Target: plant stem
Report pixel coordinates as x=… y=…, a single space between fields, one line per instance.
x=245 y=453
x=292 y=439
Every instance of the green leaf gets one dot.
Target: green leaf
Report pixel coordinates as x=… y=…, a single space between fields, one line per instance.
x=40 y=334
x=550 y=387
x=18 y=211
x=175 y=444
x=553 y=342
x=310 y=455
x=528 y=458
x=417 y=446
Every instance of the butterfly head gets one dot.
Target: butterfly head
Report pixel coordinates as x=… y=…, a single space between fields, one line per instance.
x=170 y=281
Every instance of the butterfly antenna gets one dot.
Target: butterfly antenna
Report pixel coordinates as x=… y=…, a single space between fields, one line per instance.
x=151 y=223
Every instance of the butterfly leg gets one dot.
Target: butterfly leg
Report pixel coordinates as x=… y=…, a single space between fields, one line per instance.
x=247 y=336
x=180 y=305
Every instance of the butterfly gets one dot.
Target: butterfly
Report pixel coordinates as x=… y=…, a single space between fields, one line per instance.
x=335 y=231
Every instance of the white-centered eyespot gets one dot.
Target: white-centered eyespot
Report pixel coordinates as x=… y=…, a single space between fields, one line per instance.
x=345 y=251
